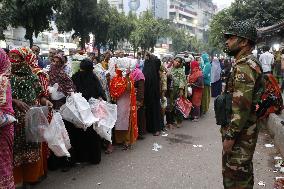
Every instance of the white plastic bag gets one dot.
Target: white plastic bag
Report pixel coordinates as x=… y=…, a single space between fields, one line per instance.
x=57 y=136
x=78 y=111
x=6 y=119
x=106 y=114
x=189 y=91
x=35 y=123
x=54 y=93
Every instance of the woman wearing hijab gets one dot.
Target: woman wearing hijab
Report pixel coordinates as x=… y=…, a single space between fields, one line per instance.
x=87 y=144
x=216 y=82
x=65 y=86
x=6 y=130
x=152 y=94
x=207 y=82
x=139 y=82
x=195 y=80
x=29 y=86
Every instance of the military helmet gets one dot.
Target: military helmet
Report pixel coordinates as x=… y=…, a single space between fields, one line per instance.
x=244 y=29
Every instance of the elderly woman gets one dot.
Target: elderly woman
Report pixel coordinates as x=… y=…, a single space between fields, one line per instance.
x=6 y=129
x=87 y=144
x=29 y=88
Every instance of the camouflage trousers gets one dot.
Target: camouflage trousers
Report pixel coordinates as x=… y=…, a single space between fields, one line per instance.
x=237 y=166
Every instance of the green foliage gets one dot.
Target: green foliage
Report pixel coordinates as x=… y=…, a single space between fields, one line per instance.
x=262 y=13
x=148 y=30
x=79 y=16
x=7 y=7
x=33 y=15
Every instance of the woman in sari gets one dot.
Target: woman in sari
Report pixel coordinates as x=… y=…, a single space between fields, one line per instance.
x=122 y=90
x=195 y=80
x=87 y=144
x=7 y=129
x=179 y=84
x=29 y=86
x=139 y=80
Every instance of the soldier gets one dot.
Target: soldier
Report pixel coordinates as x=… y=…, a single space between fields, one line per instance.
x=240 y=136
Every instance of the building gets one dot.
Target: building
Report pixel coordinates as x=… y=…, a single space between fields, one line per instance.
x=192 y=15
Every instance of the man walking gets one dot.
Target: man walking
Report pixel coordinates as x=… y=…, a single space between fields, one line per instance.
x=240 y=136
x=266 y=60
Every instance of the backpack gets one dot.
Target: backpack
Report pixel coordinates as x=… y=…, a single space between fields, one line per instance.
x=270 y=100
x=267 y=93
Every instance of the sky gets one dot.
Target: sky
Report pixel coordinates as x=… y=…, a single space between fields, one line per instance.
x=222 y=3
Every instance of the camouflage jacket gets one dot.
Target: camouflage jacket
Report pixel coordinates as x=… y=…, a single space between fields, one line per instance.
x=242 y=85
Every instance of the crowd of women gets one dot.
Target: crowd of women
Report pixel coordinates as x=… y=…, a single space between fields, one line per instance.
x=145 y=95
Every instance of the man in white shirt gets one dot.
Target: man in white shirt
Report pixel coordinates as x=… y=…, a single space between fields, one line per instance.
x=266 y=60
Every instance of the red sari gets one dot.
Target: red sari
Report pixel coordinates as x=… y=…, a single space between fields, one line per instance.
x=118 y=87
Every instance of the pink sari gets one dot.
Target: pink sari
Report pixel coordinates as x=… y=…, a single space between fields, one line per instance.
x=6 y=132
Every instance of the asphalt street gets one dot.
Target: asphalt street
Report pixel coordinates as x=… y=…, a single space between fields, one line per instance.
x=190 y=158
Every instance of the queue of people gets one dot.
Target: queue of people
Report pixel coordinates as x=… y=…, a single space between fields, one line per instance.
x=144 y=92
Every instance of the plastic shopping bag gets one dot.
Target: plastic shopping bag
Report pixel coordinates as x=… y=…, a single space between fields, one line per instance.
x=6 y=119
x=183 y=106
x=35 y=123
x=106 y=114
x=189 y=91
x=78 y=111
x=54 y=93
x=57 y=136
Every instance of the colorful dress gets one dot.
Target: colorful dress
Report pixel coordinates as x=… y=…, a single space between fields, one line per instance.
x=206 y=96
x=26 y=86
x=123 y=91
x=7 y=131
x=179 y=83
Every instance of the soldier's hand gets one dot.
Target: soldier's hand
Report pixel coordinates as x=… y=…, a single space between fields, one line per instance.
x=228 y=145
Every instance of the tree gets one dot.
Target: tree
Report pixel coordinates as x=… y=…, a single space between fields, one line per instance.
x=7 y=8
x=33 y=15
x=79 y=16
x=180 y=41
x=261 y=13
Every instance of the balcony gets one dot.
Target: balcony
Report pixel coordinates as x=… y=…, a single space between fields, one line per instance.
x=184 y=11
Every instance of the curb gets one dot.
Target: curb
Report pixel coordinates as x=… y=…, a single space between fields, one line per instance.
x=276 y=130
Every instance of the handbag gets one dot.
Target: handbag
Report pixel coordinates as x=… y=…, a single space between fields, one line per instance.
x=184 y=106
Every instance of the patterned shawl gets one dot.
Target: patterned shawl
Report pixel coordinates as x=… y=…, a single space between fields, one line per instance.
x=58 y=75
x=31 y=60
x=195 y=72
x=5 y=71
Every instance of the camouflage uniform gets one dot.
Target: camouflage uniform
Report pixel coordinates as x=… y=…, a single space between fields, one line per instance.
x=237 y=165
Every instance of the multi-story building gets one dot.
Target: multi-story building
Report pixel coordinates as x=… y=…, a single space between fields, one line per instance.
x=192 y=15
x=158 y=7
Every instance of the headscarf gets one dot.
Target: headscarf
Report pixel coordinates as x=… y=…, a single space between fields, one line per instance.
x=205 y=58
x=215 y=71
x=58 y=75
x=26 y=85
x=31 y=60
x=5 y=71
x=195 y=72
x=86 y=81
x=137 y=74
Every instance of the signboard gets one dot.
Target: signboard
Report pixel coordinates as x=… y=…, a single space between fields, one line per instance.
x=136 y=6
